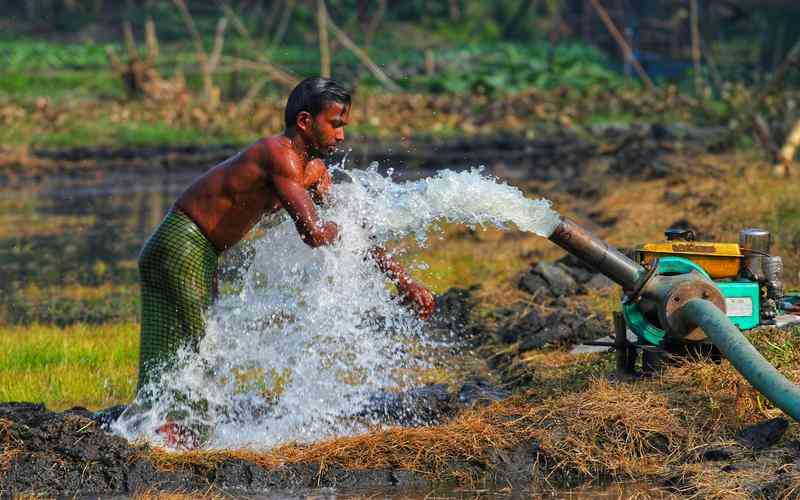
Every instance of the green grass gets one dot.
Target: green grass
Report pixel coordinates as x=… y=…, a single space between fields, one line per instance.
x=160 y=134
x=91 y=366
x=62 y=83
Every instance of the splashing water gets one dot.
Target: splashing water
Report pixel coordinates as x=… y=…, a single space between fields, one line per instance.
x=300 y=348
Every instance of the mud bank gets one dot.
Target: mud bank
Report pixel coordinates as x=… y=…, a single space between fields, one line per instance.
x=630 y=150
x=70 y=453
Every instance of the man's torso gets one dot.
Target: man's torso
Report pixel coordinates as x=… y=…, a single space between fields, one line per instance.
x=230 y=198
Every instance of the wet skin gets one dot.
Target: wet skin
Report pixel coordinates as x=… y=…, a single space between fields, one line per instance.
x=284 y=172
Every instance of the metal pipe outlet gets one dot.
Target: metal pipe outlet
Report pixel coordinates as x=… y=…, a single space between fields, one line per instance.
x=592 y=250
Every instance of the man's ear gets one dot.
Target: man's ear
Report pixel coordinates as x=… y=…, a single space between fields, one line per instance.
x=304 y=121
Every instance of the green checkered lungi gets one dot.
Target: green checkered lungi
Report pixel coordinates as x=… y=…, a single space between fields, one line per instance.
x=177 y=268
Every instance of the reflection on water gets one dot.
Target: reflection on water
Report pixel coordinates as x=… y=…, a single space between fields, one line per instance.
x=610 y=492
x=77 y=236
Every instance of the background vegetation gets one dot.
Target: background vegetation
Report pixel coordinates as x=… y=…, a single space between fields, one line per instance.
x=55 y=54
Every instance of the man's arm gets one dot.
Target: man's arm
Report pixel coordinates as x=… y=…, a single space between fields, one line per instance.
x=287 y=182
x=413 y=293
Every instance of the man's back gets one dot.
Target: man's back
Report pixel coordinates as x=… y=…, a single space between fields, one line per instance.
x=229 y=199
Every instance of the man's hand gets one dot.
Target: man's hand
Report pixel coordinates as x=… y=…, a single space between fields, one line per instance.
x=420 y=298
x=415 y=295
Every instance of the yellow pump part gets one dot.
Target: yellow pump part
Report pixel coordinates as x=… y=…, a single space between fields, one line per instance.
x=720 y=260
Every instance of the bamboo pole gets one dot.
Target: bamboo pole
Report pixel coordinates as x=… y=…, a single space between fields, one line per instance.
x=208 y=65
x=620 y=39
x=694 y=19
x=788 y=151
x=324 y=45
x=712 y=65
x=151 y=40
x=284 y=23
x=130 y=41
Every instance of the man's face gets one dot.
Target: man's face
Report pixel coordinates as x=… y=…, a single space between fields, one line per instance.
x=327 y=129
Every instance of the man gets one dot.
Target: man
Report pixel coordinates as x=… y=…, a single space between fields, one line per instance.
x=178 y=262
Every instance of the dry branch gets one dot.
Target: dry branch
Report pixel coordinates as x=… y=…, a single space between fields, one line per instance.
x=235 y=19
x=219 y=41
x=374 y=22
x=140 y=75
x=361 y=55
x=750 y=114
x=207 y=64
x=130 y=41
x=253 y=91
x=626 y=49
x=712 y=64
x=273 y=72
x=764 y=136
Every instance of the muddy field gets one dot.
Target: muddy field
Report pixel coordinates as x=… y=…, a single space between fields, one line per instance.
x=70 y=453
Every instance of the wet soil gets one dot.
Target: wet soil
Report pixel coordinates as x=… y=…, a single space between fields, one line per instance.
x=71 y=453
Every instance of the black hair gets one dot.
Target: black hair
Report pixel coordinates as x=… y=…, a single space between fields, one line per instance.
x=312 y=95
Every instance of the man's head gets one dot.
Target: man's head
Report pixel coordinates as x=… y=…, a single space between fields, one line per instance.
x=317 y=110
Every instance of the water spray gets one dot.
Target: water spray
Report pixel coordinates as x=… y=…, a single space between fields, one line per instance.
x=300 y=346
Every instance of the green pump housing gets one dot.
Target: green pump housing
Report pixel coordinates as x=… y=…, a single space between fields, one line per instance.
x=742 y=301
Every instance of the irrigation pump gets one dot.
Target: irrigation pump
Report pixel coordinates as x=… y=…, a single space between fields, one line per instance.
x=683 y=296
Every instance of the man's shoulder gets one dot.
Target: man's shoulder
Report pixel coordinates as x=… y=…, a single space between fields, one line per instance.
x=274 y=145
x=278 y=156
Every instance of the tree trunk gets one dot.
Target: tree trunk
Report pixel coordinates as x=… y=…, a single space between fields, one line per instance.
x=324 y=44
x=698 y=70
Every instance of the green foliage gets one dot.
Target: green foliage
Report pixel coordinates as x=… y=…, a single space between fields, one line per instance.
x=30 y=68
x=509 y=67
x=24 y=54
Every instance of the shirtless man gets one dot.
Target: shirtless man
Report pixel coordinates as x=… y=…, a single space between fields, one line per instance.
x=178 y=262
